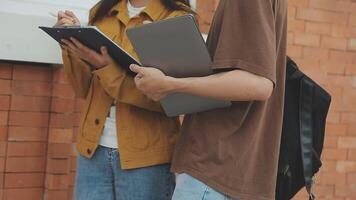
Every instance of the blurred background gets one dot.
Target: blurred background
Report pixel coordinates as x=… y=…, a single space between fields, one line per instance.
x=39 y=115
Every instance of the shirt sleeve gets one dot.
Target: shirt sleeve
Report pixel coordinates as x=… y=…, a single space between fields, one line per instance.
x=243 y=36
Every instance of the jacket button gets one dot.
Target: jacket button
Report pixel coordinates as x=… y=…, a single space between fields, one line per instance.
x=89 y=151
x=97 y=121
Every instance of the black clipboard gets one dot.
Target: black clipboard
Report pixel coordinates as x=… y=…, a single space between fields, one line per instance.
x=93 y=38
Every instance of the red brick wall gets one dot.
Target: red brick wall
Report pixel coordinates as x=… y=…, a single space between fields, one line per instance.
x=38 y=117
x=39 y=114
x=322 y=39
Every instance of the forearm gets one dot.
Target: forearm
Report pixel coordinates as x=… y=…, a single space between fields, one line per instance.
x=78 y=74
x=236 y=85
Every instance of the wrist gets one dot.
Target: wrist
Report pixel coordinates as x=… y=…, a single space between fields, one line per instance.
x=174 y=84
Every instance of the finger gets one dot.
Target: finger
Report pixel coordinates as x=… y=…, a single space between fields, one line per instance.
x=65 y=21
x=69 y=44
x=137 y=69
x=104 y=51
x=62 y=15
x=72 y=15
x=78 y=44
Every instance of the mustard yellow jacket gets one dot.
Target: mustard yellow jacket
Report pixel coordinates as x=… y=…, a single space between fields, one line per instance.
x=146 y=136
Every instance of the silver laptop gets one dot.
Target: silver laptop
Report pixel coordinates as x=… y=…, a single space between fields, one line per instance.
x=176 y=47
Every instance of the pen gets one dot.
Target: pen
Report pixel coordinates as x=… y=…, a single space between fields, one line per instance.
x=53 y=14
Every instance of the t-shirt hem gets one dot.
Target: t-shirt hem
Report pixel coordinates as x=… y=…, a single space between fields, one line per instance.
x=217 y=186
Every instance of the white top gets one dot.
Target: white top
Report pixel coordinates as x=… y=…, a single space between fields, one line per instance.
x=109 y=136
x=134 y=11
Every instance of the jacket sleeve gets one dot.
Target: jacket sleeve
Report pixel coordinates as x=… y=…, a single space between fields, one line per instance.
x=78 y=74
x=122 y=88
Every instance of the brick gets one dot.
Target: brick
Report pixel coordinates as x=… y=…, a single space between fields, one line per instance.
x=347 y=142
x=336 y=55
x=316 y=15
x=2 y=164
x=3 y=149
x=60 y=135
x=330 y=142
x=25 y=164
x=346 y=166
x=63 y=90
x=59 y=150
x=5 y=70
x=24 y=180
x=303 y=3
x=296 y=26
x=313 y=53
x=31 y=88
x=4 y=102
x=339 y=80
x=4 y=118
x=56 y=194
x=343 y=31
x=295 y=51
x=31 y=119
x=32 y=73
x=351 y=178
x=28 y=134
x=318 y=28
x=348 y=118
x=334 y=43
x=62 y=120
x=346 y=190
x=328 y=166
x=332 y=5
x=348 y=101
x=290 y=38
x=333 y=67
x=350 y=69
x=352 y=155
x=56 y=182
x=23 y=193
x=310 y=40
x=71 y=179
x=3 y=133
x=60 y=105
x=58 y=166
x=324 y=190
x=30 y=103
x=77 y=119
x=334 y=154
x=332 y=178
x=5 y=86
x=333 y=117
x=352 y=20
x=352 y=44
x=73 y=163
x=79 y=105
x=26 y=149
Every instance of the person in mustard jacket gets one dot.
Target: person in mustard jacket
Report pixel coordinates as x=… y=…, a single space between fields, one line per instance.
x=125 y=140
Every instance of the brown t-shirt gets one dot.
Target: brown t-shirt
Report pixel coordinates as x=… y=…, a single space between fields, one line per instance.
x=235 y=150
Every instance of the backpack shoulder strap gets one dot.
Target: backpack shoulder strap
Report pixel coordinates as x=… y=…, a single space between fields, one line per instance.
x=306 y=135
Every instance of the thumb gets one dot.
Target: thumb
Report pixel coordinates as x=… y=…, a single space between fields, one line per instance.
x=104 y=51
x=137 y=69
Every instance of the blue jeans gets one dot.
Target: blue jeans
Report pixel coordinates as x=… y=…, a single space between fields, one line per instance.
x=190 y=188
x=101 y=178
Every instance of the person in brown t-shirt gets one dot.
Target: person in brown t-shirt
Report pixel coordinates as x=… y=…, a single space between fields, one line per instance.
x=232 y=151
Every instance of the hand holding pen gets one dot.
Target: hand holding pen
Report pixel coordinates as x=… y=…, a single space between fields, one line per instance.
x=66 y=18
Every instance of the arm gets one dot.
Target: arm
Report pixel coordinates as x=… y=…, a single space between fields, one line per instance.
x=78 y=74
x=236 y=85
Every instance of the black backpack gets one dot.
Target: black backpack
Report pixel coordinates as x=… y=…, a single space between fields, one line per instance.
x=305 y=110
